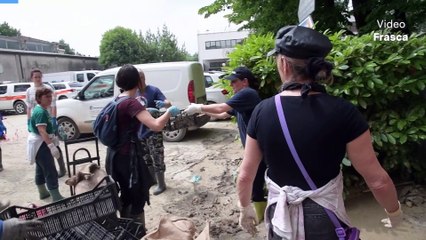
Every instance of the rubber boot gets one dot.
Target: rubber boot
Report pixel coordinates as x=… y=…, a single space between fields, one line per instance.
x=151 y=171
x=161 y=186
x=61 y=163
x=42 y=191
x=56 y=196
x=259 y=208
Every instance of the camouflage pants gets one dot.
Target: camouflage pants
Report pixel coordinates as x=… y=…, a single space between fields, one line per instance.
x=154 y=151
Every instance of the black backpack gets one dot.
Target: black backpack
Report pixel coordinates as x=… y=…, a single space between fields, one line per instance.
x=105 y=126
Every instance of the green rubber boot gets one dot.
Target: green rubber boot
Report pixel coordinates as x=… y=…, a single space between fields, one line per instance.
x=259 y=208
x=56 y=196
x=42 y=191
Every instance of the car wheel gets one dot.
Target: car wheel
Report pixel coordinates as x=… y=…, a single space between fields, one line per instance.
x=20 y=107
x=69 y=129
x=174 y=136
x=62 y=97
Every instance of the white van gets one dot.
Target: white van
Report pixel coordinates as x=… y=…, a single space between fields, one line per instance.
x=70 y=76
x=181 y=82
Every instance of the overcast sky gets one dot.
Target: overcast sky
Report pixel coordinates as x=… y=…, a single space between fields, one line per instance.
x=81 y=23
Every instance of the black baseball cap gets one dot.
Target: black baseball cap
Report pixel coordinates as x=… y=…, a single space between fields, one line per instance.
x=241 y=73
x=301 y=43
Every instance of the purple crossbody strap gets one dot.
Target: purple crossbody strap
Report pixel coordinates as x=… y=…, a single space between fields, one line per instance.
x=339 y=230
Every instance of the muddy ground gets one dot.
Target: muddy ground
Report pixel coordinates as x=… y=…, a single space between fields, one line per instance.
x=213 y=154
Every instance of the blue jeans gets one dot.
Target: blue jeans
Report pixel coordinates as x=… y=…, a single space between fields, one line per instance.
x=318 y=225
x=45 y=168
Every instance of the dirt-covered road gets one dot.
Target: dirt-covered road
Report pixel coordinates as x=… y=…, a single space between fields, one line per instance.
x=210 y=155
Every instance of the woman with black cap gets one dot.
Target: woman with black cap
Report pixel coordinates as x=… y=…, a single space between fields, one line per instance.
x=303 y=134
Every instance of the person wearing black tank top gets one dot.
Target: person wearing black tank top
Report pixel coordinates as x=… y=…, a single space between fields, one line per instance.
x=323 y=129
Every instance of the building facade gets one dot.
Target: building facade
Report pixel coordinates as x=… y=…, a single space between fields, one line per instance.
x=213 y=48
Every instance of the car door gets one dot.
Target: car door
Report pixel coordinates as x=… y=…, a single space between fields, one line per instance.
x=94 y=97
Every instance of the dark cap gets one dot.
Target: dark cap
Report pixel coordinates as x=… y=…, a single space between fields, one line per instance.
x=301 y=43
x=241 y=73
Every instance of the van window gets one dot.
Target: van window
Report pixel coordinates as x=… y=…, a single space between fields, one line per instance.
x=21 y=88
x=80 y=77
x=3 y=89
x=90 y=76
x=101 y=87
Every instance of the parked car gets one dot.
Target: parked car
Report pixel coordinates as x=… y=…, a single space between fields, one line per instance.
x=66 y=90
x=214 y=94
x=12 y=97
x=181 y=83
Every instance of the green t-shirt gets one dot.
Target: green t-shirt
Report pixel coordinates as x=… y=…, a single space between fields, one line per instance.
x=40 y=116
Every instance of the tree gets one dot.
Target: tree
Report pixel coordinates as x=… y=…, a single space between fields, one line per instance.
x=9 y=31
x=263 y=16
x=66 y=47
x=162 y=47
x=120 y=46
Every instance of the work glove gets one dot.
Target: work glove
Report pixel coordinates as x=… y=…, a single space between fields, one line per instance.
x=173 y=110
x=54 y=124
x=54 y=150
x=248 y=220
x=14 y=229
x=193 y=109
x=393 y=219
x=159 y=104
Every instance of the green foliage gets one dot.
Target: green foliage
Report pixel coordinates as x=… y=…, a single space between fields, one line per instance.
x=9 y=31
x=263 y=16
x=386 y=80
x=162 y=47
x=252 y=54
x=119 y=46
x=66 y=47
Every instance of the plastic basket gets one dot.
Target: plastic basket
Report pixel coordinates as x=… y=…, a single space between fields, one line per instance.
x=135 y=228
x=93 y=231
x=101 y=202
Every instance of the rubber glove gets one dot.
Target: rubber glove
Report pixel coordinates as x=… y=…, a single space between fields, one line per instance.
x=248 y=220
x=193 y=109
x=159 y=104
x=393 y=219
x=54 y=150
x=14 y=229
x=54 y=124
x=173 y=110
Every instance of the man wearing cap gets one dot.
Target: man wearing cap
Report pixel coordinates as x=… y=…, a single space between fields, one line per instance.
x=241 y=105
x=302 y=134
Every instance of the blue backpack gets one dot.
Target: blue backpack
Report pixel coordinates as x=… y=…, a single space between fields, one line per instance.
x=105 y=126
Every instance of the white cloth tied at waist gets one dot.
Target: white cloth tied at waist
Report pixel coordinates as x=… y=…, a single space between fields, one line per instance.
x=287 y=220
x=34 y=142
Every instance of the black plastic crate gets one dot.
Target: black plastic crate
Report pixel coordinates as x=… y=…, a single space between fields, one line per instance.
x=135 y=228
x=101 y=202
